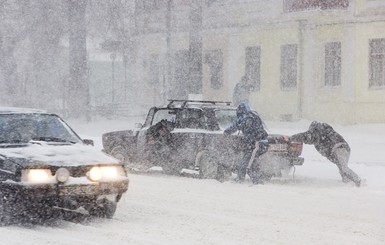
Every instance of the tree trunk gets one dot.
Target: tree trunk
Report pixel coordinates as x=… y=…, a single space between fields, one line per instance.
x=78 y=101
x=195 y=49
x=8 y=65
x=8 y=68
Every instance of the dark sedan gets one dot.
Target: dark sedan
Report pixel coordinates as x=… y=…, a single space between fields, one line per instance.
x=45 y=168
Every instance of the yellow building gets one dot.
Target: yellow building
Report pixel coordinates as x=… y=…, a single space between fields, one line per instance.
x=318 y=60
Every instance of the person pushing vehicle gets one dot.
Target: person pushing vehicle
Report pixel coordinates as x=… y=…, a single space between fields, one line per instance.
x=255 y=139
x=331 y=145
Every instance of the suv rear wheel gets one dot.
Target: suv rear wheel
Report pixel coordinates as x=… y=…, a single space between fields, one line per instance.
x=120 y=153
x=208 y=166
x=172 y=168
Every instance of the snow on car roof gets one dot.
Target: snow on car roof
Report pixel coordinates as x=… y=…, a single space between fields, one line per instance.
x=7 y=110
x=203 y=106
x=198 y=104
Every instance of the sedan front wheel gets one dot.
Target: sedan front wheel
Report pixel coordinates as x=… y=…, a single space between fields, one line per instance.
x=104 y=209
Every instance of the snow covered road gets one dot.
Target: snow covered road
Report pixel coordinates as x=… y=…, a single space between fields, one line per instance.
x=161 y=209
x=314 y=207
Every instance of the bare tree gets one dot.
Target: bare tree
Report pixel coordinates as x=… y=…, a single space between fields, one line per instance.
x=78 y=100
x=12 y=31
x=30 y=34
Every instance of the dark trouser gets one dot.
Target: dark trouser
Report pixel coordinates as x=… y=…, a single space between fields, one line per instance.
x=157 y=153
x=342 y=156
x=252 y=170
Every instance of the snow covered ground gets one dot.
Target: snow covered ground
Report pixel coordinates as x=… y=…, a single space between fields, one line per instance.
x=310 y=206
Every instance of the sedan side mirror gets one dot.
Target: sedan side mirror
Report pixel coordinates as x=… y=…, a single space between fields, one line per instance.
x=88 y=142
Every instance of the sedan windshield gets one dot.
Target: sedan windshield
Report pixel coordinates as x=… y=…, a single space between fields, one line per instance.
x=23 y=128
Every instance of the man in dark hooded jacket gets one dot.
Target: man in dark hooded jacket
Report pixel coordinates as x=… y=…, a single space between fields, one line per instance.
x=158 y=140
x=331 y=145
x=255 y=139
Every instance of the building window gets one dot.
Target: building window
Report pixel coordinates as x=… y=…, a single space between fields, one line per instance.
x=377 y=63
x=153 y=69
x=302 y=5
x=333 y=64
x=253 y=66
x=214 y=59
x=289 y=66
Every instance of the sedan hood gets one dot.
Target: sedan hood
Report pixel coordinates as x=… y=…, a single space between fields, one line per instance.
x=71 y=155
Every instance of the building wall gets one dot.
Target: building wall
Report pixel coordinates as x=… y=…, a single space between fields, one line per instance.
x=231 y=26
x=325 y=102
x=270 y=101
x=351 y=102
x=213 y=42
x=370 y=102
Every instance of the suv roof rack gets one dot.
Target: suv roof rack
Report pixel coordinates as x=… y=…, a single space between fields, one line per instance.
x=183 y=103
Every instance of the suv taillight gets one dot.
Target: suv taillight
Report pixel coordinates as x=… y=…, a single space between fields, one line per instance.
x=295 y=148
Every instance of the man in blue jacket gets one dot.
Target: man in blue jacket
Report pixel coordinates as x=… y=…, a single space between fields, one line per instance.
x=255 y=139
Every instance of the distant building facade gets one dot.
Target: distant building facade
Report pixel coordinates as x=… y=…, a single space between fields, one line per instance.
x=317 y=60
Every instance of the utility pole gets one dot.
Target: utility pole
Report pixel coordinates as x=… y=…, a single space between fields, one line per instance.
x=78 y=86
x=113 y=58
x=301 y=30
x=167 y=80
x=125 y=48
x=195 y=49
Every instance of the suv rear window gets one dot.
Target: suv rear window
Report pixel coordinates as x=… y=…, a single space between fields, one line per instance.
x=225 y=118
x=161 y=114
x=213 y=119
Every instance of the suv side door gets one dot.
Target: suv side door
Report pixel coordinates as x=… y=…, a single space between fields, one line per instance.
x=154 y=116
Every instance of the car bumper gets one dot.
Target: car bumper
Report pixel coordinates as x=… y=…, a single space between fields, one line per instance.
x=284 y=157
x=43 y=192
x=297 y=161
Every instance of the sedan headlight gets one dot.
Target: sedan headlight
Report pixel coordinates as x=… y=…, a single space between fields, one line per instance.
x=105 y=173
x=36 y=175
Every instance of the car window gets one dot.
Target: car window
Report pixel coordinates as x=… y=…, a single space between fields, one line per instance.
x=27 y=127
x=191 y=118
x=163 y=114
x=225 y=117
x=211 y=122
